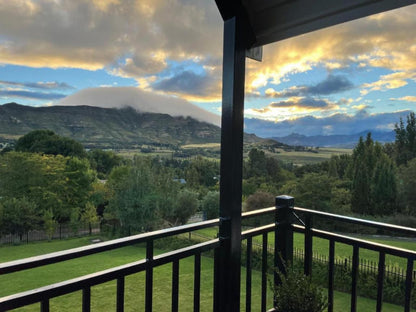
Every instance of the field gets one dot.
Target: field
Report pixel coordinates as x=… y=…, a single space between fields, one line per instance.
x=309 y=157
x=103 y=296
x=211 y=151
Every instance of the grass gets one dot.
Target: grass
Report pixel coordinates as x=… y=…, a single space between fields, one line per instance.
x=205 y=145
x=305 y=157
x=342 y=251
x=103 y=296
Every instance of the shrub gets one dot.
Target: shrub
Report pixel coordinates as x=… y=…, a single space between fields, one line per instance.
x=297 y=293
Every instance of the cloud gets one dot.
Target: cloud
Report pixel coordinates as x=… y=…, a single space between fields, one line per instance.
x=303 y=103
x=187 y=83
x=334 y=124
x=409 y=98
x=136 y=37
x=386 y=82
x=381 y=41
x=31 y=95
x=143 y=101
x=39 y=85
x=332 y=84
x=292 y=108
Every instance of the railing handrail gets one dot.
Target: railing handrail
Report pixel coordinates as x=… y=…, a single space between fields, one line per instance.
x=376 y=224
x=362 y=243
x=54 y=257
x=79 y=283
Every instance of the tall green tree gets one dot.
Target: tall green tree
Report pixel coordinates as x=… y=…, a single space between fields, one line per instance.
x=20 y=215
x=47 y=142
x=405 y=143
x=407 y=187
x=55 y=183
x=373 y=186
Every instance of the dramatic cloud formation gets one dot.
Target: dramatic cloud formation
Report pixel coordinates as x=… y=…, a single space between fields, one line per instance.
x=131 y=38
x=141 y=100
x=175 y=48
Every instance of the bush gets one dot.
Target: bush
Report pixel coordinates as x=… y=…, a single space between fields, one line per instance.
x=297 y=293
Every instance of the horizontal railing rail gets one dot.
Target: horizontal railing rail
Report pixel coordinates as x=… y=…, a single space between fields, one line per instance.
x=358 y=221
x=37 y=261
x=87 y=281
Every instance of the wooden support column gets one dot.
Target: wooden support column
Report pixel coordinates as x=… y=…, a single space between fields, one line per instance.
x=227 y=292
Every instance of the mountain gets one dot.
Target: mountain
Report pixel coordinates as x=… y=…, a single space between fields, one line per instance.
x=108 y=127
x=344 y=141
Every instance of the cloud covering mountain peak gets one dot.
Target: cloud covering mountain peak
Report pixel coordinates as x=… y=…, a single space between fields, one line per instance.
x=142 y=101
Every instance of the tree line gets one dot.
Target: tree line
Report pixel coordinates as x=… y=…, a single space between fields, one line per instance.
x=49 y=180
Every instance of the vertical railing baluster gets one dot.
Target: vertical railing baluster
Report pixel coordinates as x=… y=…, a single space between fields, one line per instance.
x=215 y=304
x=408 y=291
x=149 y=277
x=354 y=274
x=248 y=274
x=331 y=275
x=197 y=282
x=44 y=305
x=86 y=299
x=264 y=274
x=120 y=294
x=380 y=280
x=175 y=285
x=308 y=245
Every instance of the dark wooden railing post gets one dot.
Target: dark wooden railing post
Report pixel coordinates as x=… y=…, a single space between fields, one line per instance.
x=284 y=234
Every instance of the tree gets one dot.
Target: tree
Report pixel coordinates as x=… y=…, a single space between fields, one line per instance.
x=47 y=142
x=55 y=183
x=405 y=143
x=186 y=206
x=256 y=164
x=135 y=200
x=259 y=200
x=103 y=161
x=19 y=216
x=202 y=172
x=373 y=186
x=210 y=205
x=407 y=187
x=384 y=186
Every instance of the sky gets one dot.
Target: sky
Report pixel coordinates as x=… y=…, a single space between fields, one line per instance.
x=166 y=56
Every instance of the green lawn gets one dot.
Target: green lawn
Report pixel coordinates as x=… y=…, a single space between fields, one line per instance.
x=305 y=157
x=103 y=296
x=342 y=251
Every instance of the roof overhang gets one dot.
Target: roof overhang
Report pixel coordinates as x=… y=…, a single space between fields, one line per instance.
x=274 y=20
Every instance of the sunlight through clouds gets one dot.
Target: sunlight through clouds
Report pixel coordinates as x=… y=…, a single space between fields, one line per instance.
x=174 y=48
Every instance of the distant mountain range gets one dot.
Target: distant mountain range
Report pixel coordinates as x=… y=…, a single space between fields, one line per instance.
x=108 y=127
x=341 y=141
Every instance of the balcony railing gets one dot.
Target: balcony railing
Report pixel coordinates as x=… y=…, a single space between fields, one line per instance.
x=286 y=222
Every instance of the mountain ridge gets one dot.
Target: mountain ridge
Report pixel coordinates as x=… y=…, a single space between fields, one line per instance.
x=97 y=127
x=339 y=140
